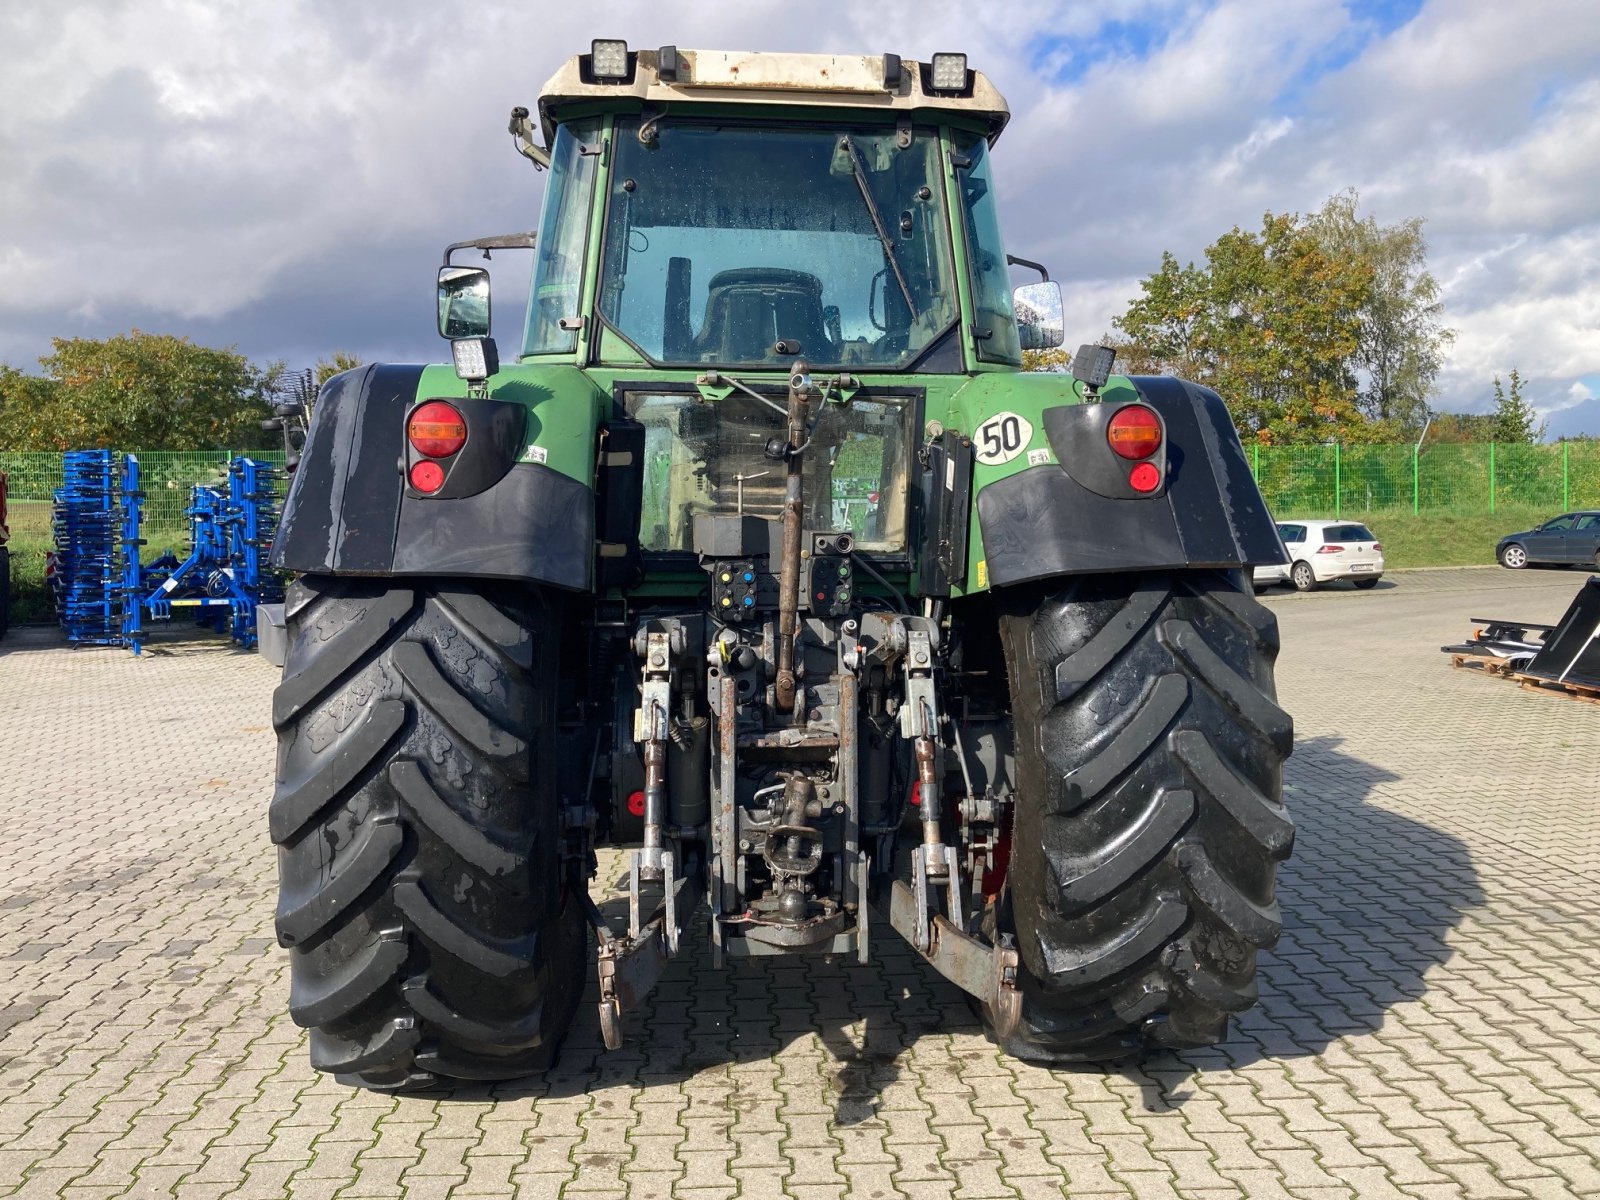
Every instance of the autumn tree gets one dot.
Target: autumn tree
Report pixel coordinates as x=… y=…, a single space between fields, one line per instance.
x=138 y=391
x=1400 y=341
x=1271 y=322
x=339 y=362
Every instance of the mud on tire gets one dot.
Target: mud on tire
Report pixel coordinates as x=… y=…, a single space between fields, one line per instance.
x=420 y=890
x=1149 y=822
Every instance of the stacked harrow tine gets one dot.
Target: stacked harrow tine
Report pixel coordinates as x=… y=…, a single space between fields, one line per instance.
x=105 y=592
x=88 y=519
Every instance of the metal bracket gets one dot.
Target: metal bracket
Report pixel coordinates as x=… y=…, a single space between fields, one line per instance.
x=987 y=972
x=630 y=968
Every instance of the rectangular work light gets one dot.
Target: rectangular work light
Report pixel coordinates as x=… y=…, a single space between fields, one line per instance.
x=608 y=59
x=476 y=358
x=949 y=73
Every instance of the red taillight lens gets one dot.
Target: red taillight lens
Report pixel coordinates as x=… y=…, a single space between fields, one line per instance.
x=427 y=476
x=1330 y=549
x=1134 y=431
x=437 y=429
x=1146 y=477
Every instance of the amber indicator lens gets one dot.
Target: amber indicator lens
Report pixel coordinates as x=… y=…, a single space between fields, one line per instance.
x=427 y=476
x=1134 y=431
x=437 y=429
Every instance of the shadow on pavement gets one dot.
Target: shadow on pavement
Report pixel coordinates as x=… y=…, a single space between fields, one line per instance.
x=1368 y=899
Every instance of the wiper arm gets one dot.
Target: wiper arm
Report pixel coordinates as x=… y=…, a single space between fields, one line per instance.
x=877 y=222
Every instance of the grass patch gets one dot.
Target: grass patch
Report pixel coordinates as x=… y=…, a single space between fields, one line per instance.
x=1439 y=539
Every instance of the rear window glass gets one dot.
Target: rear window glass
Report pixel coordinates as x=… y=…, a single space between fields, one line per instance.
x=1347 y=533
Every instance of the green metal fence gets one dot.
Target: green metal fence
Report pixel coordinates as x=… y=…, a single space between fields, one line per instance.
x=1296 y=480
x=1463 y=478
x=166 y=478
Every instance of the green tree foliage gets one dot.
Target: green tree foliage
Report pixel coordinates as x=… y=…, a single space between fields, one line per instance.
x=138 y=391
x=1514 y=418
x=1312 y=329
x=1461 y=428
x=341 y=361
x=1271 y=322
x=1400 y=340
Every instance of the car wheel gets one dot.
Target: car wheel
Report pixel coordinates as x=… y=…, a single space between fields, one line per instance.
x=1366 y=585
x=1513 y=556
x=1301 y=576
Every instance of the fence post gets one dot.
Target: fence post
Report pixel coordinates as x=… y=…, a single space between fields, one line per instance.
x=1338 y=488
x=1491 y=477
x=1566 y=485
x=1415 y=490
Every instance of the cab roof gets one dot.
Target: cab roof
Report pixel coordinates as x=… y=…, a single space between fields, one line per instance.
x=874 y=82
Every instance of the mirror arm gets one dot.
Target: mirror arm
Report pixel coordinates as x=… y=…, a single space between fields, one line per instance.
x=500 y=241
x=522 y=133
x=1013 y=260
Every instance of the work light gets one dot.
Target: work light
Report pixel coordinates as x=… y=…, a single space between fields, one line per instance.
x=608 y=59
x=949 y=72
x=476 y=358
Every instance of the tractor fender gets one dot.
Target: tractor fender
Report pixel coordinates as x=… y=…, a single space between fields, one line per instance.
x=349 y=510
x=1077 y=515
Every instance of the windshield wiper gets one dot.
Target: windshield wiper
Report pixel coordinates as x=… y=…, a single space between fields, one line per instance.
x=860 y=170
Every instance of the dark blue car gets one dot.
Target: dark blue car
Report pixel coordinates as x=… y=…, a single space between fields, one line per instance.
x=1572 y=537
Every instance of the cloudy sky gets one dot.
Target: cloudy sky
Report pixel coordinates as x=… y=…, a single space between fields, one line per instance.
x=281 y=174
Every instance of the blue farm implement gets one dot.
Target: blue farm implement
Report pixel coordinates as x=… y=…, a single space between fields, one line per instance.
x=107 y=593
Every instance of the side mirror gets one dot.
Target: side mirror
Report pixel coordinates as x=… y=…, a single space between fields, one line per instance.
x=463 y=302
x=1041 y=324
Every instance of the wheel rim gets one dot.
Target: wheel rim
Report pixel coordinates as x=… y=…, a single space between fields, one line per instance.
x=1515 y=556
x=1302 y=576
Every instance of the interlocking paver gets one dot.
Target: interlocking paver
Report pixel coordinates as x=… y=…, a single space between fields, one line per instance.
x=1429 y=1025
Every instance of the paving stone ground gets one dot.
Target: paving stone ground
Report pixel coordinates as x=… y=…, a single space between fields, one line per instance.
x=1429 y=1026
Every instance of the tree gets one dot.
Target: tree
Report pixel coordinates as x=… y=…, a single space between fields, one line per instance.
x=341 y=361
x=27 y=411
x=1271 y=322
x=1401 y=341
x=136 y=391
x=1514 y=418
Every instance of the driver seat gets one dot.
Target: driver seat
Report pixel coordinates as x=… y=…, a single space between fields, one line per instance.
x=749 y=308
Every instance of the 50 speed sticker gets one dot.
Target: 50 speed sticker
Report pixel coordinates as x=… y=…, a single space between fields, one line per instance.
x=1002 y=437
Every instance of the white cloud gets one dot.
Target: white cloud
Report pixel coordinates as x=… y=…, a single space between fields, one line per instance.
x=283 y=175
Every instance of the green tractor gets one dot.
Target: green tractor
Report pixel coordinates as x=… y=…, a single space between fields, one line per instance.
x=766 y=559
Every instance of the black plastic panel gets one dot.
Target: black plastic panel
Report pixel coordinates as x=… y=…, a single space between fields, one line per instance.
x=535 y=524
x=348 y=511
x=1044 y=522
x=494 y=439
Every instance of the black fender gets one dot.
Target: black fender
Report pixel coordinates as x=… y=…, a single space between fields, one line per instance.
x=349 y=511
x=1057 y=519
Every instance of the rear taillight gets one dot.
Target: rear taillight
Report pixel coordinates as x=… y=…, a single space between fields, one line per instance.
x=436 y=429
x=1134 y=431
x=427 y=476
x=1330 y=549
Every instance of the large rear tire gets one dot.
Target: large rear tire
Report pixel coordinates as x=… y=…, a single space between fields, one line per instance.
x=1148 y=822
x=421 y=896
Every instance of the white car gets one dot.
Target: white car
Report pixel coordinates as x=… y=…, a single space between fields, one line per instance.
x=1322 y=551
